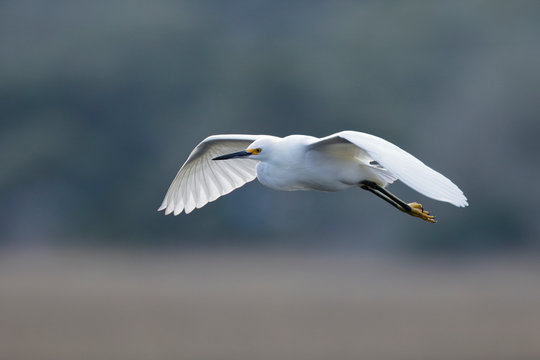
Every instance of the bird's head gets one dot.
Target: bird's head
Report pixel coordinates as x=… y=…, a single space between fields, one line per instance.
x=257 y=150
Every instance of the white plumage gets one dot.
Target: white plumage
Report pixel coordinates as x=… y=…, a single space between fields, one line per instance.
x=201 y=180
x=222 y=163
x=406 y=167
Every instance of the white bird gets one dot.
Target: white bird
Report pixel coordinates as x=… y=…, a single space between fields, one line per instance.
x=222 y=163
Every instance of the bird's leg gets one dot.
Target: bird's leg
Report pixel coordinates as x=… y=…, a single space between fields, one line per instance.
x=402 y=207
x=413 y=209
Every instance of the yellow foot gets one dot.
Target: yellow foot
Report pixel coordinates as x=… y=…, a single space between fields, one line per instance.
x=418 y=211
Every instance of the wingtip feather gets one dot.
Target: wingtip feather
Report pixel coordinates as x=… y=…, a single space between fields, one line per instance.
x=170 y=207
x=178 y=208
x=463 y=202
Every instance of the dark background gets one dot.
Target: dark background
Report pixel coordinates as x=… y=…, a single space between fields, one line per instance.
x=102 y=101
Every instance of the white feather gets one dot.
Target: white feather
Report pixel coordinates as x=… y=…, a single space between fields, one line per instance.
x=403 y=165
x=201 y=180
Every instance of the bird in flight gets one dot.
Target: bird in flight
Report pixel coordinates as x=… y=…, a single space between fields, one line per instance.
x=347 y=159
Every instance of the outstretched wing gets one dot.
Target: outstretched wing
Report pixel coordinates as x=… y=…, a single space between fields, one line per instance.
x=403 y=165
x=201 y=180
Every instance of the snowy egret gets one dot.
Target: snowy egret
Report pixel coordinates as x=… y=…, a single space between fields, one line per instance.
x=222 y=163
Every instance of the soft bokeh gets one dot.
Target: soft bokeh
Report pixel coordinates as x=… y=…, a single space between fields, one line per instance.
x=101 y=102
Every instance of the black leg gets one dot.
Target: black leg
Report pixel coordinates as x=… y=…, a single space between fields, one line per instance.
x=382 y=196
x=413 y=209
x=385 y=195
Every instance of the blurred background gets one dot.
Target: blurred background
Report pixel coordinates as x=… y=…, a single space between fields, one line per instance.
x=101 y=102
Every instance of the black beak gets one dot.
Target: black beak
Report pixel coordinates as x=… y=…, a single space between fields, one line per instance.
x=233 y=155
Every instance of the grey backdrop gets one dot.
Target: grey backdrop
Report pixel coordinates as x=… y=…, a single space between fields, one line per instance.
x=102 y=101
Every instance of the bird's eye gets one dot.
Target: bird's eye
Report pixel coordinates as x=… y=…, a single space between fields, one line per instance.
x=258 y=150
